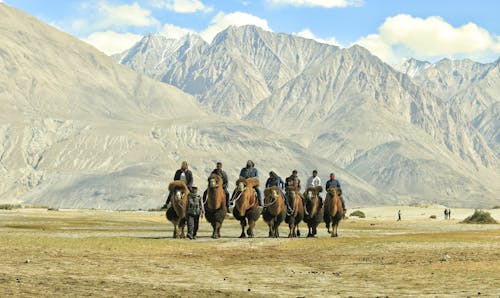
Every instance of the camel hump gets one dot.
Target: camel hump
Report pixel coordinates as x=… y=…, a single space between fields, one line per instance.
x=319 y=188
x=291 y=188
x=178 y=184
x=241 y=180
x=252 y=182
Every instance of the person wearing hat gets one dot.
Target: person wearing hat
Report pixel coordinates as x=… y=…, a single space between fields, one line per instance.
x=250 y=171
x=194 y=210
x=335 y=183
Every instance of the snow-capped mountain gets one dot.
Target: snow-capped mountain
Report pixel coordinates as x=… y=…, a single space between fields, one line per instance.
x=78 y=130
x=397 y=132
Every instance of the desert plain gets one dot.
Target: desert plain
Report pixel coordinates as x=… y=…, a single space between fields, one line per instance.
x=98 y=253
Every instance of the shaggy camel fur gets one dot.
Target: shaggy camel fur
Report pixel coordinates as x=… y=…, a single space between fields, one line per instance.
x=333 y=210
x=246 y=205
x=177 y=212
x=274 y=211
x=296 y=217
x=215 y=204
x=314 y=209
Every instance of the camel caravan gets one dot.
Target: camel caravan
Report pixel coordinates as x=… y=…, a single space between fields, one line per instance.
x=282 y=202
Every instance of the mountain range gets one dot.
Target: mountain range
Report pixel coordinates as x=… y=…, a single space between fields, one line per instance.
x=79 y=130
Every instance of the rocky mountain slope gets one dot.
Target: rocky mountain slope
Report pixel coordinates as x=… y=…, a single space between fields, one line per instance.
x=402 y=134
x=78 y=130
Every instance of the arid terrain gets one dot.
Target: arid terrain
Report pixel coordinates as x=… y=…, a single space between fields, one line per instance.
x=69 y=253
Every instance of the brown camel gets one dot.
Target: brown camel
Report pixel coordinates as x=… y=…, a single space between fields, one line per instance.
x=296 y=217
x=246 y=204
x=314 y=208
x=177 y=212
x=274 y=211
x=333 y=211
x=214 y=200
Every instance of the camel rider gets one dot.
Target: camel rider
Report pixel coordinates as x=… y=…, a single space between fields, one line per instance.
x=293 y=180
x=335 y=183
x=219 y=171
x=250 y=171
x=275 y=180
x=183 y=174
x=314 y=181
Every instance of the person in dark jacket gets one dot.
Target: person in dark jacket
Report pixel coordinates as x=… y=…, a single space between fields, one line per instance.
x=275 y=180
x=194 y=210
x=335 y=183
x=183 y=174
x=293 y=180
x=250 y=171
x=219 y=171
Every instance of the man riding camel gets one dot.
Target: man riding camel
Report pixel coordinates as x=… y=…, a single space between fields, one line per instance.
x=275 y=180
x=250 y=171
x=335 y=183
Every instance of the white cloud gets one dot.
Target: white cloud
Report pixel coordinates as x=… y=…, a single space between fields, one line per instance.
x=172 y=31
x=431 y=38
x=307 y=33
x=111 y=42
x=102 y=16
x=125 y=15
x=182 y=6
x=318 y=3
x=221 y=21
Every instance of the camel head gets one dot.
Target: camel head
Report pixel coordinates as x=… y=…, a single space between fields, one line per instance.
x=310 y=194
x=241 y=184
x=272 y=192
x=214 y=180
x=179 y=193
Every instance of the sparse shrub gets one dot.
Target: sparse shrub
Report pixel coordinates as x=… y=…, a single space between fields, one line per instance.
x=433 y=217
x=9 y=206
x=496 y=207
x=480 y=217
x=35 y=207
x=53 y=209
x=358 y=213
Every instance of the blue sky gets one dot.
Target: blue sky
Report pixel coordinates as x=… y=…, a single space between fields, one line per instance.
x=391 y=29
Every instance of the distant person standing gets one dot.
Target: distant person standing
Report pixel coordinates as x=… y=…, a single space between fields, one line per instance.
x=194 y=210
x=445 y=213
x=335 y=183
x=399 y=215
x=449 y=213
x=182 y=174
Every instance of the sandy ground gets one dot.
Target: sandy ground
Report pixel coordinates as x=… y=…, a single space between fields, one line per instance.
x=74 y=253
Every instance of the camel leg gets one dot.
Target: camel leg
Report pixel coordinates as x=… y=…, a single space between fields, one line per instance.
x=298 y=231
x=175 y=231
x=251 y=225
x=214 y=230
x=217 y=230
x=243 y=223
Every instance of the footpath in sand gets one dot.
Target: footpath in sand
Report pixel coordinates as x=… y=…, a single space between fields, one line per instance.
x=107 y=254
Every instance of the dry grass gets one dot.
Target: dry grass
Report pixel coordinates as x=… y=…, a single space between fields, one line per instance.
x=105 y=254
